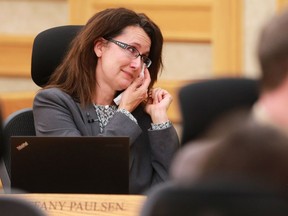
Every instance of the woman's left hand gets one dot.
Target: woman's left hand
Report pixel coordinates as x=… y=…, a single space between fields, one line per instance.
x=157 y=105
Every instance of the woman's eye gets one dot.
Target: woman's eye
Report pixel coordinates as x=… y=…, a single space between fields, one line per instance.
x=133 y=50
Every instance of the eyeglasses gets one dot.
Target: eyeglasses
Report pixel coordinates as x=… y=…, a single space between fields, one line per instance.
x=131 y=51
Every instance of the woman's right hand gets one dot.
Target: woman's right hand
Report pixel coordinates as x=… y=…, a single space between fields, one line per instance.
x=136 y=93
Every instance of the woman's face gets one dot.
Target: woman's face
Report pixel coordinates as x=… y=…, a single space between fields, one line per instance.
x=117 y=67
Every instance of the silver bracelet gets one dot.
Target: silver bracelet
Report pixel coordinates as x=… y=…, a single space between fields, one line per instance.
x=161 y=126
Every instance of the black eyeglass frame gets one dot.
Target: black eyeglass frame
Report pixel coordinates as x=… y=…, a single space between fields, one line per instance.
x=134 y=52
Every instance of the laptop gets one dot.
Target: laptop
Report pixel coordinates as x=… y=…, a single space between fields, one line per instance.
x=90 y=165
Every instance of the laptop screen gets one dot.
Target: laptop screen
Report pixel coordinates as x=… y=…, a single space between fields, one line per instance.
x=91 y=165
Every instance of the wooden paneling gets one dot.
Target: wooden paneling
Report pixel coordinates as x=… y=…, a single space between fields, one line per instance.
x=15 y=55
x=216 y=22
x=13 y=101
x=182 y=20
x=281 y=4
x=227 y=37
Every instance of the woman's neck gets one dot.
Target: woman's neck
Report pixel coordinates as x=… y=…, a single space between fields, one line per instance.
x=103 y=97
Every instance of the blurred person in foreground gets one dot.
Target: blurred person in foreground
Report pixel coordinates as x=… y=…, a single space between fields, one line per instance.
x=240 y=172
x=247 y=153
x=270 y=110
x=271 y=107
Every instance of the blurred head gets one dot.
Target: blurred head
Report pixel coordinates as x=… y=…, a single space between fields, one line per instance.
x=249 y=153
x=273 y=51
x=76 y=75
x=254 y=153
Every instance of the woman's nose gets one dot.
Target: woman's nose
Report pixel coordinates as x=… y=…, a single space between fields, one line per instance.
x=136 y=63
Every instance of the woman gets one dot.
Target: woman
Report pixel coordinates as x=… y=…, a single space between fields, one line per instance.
x=105 y=59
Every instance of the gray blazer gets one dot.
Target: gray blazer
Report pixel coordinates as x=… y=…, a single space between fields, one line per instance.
x=151 y=151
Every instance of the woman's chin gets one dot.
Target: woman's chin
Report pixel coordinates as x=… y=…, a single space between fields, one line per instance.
x=124 y=86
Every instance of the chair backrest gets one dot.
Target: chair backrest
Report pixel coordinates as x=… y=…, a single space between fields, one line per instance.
x=214 y=198
x=19 y=123
x=203 y=102
x=11 y=206
x=48 y=50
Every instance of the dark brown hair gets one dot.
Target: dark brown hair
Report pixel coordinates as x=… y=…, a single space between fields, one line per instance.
x=251 y=152
x=273 y=51
x=76 y=74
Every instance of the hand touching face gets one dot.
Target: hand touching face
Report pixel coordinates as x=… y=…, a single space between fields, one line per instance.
x=136 y=93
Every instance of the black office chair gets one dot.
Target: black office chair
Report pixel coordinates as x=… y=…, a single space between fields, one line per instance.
x=12 y=206
x=49 y=48
x=19 y=123
x=215 y=198
x=203 y=102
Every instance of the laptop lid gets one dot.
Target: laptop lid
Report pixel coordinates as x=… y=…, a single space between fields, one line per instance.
x=90 y=165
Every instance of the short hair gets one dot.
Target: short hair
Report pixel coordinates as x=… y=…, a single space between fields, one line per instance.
x=247 y=152
x=272 y=51
x=251 y=152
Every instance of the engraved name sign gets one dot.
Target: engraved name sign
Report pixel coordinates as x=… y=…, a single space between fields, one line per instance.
x=82 y=206
x=86 y=204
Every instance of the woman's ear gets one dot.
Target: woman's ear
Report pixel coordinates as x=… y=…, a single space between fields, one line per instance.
x=99 y=45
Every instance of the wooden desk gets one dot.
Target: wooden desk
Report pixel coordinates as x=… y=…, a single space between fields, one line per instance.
x=85 y=204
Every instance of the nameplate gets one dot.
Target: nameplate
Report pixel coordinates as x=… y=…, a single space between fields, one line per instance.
x=86 y=204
